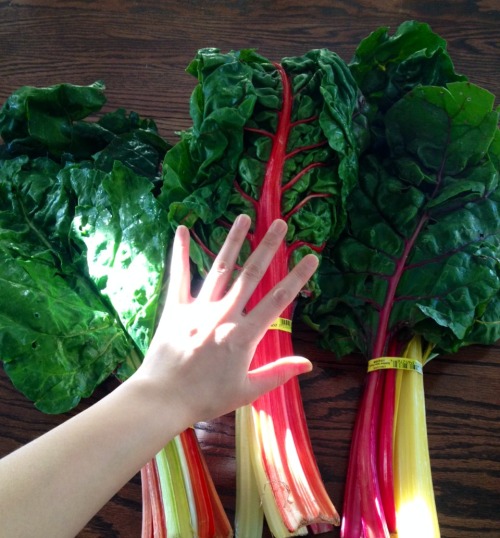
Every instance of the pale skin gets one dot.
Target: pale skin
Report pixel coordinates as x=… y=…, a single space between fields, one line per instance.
x=197 y=368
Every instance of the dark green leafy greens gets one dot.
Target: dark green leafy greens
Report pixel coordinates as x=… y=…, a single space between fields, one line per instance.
x=56 y=121
x=219 y=167
x=418 y=259
x=77 y=212
x=421 y=247
x=388 y=66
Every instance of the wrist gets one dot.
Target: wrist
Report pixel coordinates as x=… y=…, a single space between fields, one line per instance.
x=162 y=413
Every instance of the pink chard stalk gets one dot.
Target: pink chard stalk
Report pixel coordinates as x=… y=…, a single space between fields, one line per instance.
x=278 y=142
x=415 y=271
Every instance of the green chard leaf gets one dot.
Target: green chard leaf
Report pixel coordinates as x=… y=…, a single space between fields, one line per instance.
x=53 y=121
x=256 y=122
x=125 y=232
x=33 y=119
x=421 y=249
x=387 y=67
x=58 y=339
x=72 y=225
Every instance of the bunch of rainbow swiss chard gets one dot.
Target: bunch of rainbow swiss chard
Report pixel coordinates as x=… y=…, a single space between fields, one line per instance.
x=386 y=167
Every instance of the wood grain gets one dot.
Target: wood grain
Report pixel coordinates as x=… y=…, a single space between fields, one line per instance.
x=140 y=49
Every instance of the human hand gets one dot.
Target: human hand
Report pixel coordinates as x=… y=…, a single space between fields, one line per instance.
x=196 y=368
x=200 y=356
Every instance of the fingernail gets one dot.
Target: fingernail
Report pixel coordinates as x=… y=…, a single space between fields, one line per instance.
x=279 y=227
x=304 y=366
x=311 y=262
x=308 y=367
x=241 y=221
x=181 y=229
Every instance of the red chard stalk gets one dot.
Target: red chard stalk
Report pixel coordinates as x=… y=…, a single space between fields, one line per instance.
x=415 y=271
x=279 y=142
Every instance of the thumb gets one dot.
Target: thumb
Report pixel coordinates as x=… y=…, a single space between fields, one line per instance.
x=274 y=374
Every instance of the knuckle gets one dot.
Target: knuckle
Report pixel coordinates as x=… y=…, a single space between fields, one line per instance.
x=246 y=331
x=280 y=296
x=220 y=267
x=253 y=271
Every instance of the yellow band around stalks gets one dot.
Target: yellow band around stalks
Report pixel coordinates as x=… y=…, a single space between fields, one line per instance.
x=282 y=324
x=394 y=363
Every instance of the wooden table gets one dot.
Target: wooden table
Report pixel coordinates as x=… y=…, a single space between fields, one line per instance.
x=140 y=49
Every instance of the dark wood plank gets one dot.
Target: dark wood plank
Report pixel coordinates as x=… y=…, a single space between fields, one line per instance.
x=140 y=50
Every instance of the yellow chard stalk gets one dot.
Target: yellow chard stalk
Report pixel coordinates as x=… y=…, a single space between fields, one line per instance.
x=416 y=513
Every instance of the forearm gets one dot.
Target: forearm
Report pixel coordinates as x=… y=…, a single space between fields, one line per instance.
x=54 y=485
